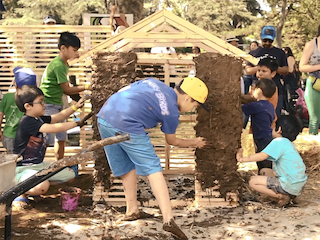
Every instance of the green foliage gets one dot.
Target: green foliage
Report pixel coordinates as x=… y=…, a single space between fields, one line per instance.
x=65 y=11
x=221 y=17
x=301 y=22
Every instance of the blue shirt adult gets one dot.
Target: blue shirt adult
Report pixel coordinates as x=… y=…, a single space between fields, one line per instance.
x=142 y=105
x=273 y=52
x=288 y=165
x=262 y=115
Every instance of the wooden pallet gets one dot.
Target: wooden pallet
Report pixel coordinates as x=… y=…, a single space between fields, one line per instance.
x=210 y=198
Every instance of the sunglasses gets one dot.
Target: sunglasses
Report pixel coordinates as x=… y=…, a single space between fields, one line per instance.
x=267 y=40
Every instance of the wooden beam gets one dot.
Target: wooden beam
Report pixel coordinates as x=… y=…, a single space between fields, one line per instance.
x=120 y=36
x=154 y=35
x=165 y=27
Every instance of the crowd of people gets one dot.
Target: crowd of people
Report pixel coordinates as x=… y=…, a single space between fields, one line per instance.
x=35 y=114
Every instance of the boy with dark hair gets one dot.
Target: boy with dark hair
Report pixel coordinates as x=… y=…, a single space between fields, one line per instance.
x=9 y=109
x=262 y=115
x=268 y=34
x=30 y=140
x=55 y=83
x=267 y=68
x=139 y=106
x=287 y=163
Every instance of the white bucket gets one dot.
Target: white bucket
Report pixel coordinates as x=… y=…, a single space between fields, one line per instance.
x=7 y=174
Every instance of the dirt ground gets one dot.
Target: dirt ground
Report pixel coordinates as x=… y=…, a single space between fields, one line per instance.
x=255 y=218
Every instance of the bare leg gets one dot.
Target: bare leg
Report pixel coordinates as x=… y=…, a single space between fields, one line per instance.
x=59 y=149
x=267 y=172
x=160 y=191
x=129 y=182
x=41 y=188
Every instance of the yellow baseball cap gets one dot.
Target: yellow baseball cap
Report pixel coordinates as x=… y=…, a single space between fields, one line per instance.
x=196 y=89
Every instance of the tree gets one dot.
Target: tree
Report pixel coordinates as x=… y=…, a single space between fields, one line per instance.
x=65 y=11
x=220 y=16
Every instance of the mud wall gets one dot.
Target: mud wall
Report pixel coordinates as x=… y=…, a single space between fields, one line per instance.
x=216 y=164
x=112 y=71
x=222 y=127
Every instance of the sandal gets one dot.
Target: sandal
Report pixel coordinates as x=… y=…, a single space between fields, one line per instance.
x=172 y=227
x=135 y=216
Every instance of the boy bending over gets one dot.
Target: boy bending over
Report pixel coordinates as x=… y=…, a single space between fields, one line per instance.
x=133 y=109
x=290 y=176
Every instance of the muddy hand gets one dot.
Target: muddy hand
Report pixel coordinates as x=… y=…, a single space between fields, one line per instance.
x=83 y=121
x=87 y=96
x=239 y=154
x=81 y=102
x=199 y=142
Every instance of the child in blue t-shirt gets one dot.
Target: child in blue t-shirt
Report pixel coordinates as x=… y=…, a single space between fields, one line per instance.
x=288 y=165
x=142 y=105
x=262 y=115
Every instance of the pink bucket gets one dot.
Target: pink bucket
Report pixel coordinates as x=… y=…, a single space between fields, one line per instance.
x=69 y=198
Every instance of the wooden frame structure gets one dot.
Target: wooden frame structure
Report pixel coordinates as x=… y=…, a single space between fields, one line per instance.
x=164 y=29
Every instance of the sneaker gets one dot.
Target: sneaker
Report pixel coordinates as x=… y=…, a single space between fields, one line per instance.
x=172 y=227
x=284 y=200
x=75 y=168
x=20 y=203
x=138 y=215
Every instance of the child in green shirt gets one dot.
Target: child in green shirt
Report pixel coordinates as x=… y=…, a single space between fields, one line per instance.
x=55 y=83
x=9 y=109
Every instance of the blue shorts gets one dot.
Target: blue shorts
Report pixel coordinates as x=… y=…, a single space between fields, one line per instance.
x=54 y=137
x=273 y=183
x=137 y=153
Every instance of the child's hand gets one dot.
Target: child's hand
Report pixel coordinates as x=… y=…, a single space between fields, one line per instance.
x=81 y=102
x=83 y=121
x=199 y=142
x=239 y=154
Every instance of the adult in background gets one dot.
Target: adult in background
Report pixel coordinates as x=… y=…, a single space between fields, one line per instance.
x=291 y=78
x=233 y=40
x=310 y=63
x=196 y=50
x=268 y=33
x=253 y=45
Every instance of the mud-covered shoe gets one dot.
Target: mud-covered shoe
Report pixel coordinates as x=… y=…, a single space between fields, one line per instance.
x=284 y=200
x=20 y=203
x=173 y=228
x=138 y=215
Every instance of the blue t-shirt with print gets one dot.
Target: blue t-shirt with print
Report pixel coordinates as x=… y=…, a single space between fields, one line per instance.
x=142 y=105
x=288 y=165
x=262 y=115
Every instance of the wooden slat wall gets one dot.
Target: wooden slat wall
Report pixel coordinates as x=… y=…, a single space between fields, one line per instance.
x=35 y=46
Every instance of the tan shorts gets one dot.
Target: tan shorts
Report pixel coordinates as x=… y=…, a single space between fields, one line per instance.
x=24 y=172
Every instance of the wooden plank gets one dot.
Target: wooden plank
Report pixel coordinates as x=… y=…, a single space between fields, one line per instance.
x=117 y=37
